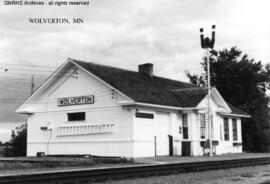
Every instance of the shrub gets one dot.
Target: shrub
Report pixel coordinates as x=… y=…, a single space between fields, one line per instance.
x=17 y=143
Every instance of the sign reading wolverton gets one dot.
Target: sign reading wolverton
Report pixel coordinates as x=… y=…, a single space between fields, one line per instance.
x=78 y=100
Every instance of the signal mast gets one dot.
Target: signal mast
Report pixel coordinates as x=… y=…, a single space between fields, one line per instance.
x=208 y=44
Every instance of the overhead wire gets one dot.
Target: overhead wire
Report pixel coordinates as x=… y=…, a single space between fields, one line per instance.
x=50 y=74
x=37 y=66
x=101 y=94
x=23 y=69
x=38 y=77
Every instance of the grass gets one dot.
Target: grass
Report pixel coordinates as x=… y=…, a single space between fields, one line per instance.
x=247 y=175
x=23 y=164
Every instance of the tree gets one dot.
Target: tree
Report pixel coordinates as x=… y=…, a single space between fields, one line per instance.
x=17 y=143
x=243 y=83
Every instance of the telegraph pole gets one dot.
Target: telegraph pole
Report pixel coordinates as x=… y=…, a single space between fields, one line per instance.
x=32 y=84
x=208 y=44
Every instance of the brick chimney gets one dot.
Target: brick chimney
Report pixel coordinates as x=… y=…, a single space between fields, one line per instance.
x=146 y=69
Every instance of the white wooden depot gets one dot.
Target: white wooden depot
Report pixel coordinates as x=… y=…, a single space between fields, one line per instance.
x=110 y=127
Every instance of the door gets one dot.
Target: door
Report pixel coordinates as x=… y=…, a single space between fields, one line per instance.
x=186 y=149
x=170 y=145
x=162 y=129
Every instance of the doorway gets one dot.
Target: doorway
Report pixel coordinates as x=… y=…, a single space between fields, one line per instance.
x=186 y=149
x=170 y=145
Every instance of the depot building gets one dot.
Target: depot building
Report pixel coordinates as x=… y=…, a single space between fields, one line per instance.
x=87 y=108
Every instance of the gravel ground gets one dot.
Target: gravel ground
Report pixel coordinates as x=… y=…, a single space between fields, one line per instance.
x=244 y=175
x=181 y=159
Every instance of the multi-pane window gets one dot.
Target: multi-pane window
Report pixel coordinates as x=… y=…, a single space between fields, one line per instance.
x=226 y=129
x=234 y=125
x=76 y=116
x=202 y=125
x=185 y=126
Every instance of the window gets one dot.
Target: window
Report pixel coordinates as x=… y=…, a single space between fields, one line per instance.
x=221 y=138
x=185 y=126
x=144 y=115
x=226 y=129
x=76 y=116
x=202 y=125
x=234 y=124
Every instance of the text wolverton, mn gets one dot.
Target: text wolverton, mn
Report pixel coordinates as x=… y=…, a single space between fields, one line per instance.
x=55 y=20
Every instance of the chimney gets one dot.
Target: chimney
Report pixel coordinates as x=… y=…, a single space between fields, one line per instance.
x=146 y=69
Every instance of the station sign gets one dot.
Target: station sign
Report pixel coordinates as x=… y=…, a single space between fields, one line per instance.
x=77 y=100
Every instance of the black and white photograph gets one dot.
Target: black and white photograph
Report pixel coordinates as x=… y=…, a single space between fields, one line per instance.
x=134 y=92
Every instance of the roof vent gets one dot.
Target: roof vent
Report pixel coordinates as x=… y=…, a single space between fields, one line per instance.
x=146 y=69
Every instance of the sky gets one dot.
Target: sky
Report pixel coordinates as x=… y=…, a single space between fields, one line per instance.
x=5 y=130
x=124 y=34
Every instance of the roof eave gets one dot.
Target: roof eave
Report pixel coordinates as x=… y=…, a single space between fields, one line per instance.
x=18 y=110
x=129 y=103
x=214 y=89
x=235 y=115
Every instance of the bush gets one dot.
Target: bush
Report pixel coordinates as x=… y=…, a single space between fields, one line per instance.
x=17 y=144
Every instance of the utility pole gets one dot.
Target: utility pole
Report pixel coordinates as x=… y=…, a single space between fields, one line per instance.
x=32 y=84
x=208 y=44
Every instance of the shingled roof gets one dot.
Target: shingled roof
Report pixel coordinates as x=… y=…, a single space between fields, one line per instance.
x=189 y=97
x=140 y=88
x=237 y=111
x=145 y=89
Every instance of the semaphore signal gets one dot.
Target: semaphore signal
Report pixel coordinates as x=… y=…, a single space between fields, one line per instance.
x=207 y=44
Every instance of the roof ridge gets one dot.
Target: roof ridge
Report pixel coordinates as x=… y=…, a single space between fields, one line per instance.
x=94 y=63
x=102 y=65
x=173 y=80
x=185 y=89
